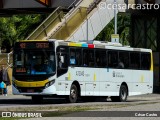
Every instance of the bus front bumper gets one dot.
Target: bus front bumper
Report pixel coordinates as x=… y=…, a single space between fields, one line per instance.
x=34 y=91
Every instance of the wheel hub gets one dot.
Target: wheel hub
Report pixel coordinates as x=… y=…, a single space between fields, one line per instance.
x=73 y=93
x=123 y=94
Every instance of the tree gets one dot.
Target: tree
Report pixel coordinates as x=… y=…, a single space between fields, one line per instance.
x=123 y=30
x=17 y=27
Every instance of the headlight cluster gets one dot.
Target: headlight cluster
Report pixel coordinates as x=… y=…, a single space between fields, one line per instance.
x=50 y=83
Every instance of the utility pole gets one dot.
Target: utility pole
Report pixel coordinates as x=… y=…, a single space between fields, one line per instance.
x=115 y=17
x=115 y=36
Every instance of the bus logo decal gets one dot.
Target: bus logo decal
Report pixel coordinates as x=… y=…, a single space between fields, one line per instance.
x=79 y=73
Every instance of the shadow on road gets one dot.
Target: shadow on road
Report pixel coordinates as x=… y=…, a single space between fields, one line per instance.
x=45 y=101
x=28 y=101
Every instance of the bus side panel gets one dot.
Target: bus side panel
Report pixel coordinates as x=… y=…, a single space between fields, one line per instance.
x=91 y=79
x=111 y=80
x=86 y=77
x=61 y=85
x=107 y=86
x=141 y=82
x=121 y=76
x=75 y=74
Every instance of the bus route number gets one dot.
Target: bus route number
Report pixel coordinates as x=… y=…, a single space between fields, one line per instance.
x=79 y=73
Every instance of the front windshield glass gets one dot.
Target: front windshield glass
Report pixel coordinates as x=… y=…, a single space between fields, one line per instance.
x=34 y=62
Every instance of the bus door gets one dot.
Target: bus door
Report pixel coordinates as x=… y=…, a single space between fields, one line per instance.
x=62 y=68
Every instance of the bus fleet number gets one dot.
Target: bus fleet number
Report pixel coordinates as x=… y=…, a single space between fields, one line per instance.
x=79 y=73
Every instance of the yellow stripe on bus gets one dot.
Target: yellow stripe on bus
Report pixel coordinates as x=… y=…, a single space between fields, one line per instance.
x=142 y=78
x=69 y=76
x=75 y=44
x=94 y=77
x=31 y=84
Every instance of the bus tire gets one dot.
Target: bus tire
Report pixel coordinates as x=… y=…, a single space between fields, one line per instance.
x=123 y=93
x=73 y=94
x=37 y=99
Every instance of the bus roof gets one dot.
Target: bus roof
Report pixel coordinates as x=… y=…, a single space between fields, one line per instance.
x=101 y=45
x=92 y=44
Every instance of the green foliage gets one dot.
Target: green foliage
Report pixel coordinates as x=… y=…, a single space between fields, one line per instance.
x=17 y=27
x=123 y=25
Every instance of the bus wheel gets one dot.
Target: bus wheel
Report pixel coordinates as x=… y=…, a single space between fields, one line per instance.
x=122 y=95
x=73 y=94
x=37 y=99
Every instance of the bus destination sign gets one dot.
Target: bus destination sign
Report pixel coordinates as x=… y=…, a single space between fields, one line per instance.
x=33 y=45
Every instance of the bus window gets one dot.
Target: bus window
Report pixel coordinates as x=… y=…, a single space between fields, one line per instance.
x=78 y=57
x=62 y=60
x=112 y=59
x=72 y=56
x=124 y=59
x=34 y=62
x=75 y=57
x=88 y=58
x=101 y=58
x=134 y=60
x=145 y=61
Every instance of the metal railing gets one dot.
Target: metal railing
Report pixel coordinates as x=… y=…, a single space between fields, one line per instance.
x=67 y=16
x=73 y=4
x=9 y=64
x=58 y=16
x=93 y=5
x=2 y=60
x=42 y=24
x=8 y=60
x=44 y=28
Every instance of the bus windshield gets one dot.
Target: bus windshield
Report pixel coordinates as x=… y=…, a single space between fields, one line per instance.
x=34 y=62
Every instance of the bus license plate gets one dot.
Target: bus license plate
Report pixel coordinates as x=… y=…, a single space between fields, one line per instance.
x=30 y=90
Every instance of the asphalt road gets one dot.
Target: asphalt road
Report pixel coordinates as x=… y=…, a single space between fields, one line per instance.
x=149 y=102
x=25 y=101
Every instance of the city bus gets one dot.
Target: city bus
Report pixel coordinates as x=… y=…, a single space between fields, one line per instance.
x=84 y=69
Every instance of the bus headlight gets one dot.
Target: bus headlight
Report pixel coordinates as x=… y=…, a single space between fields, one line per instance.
x=47 y=85
x=50 y=83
